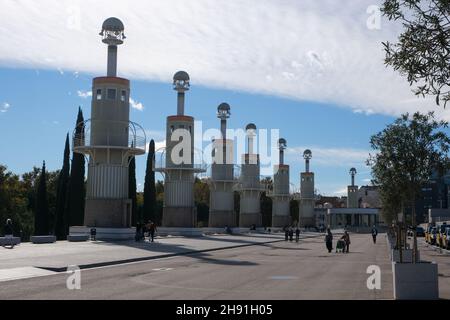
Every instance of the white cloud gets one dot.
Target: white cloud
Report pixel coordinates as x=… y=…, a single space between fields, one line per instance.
x=307 y=50
x=4 y=107
x=341 y=192
x=84 y=94
x=339 y=157
x=136 y=105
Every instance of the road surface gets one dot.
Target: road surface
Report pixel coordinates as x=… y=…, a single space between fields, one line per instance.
x=283 y=270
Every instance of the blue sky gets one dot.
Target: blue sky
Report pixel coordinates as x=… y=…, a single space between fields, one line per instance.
x=313 y=69
x=43 y=108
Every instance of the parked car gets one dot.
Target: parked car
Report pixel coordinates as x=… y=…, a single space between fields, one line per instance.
x=420 y=232
x=433 y=236
x=446 y=240
x=441 y=229
x=428 y=234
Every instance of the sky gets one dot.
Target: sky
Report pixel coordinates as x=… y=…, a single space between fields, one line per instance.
x=312 y=69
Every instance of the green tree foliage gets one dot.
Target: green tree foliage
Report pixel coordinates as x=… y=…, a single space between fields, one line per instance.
x=14 y=203
x=159 y=201
x=266 y=202
x=407 y=153
x=132 y=189
x=77 y=189
x=422 y=50
x=41 y=214
x=149 y=210
x=62 y=223
x=201 y=197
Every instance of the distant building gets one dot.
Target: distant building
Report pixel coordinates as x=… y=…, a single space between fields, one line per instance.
x=369 y=197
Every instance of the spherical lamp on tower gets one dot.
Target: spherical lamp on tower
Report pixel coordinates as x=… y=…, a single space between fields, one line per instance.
x=113 y=34
x=181 y=84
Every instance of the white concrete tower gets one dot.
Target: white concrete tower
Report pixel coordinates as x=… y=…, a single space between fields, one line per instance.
x=307 y=197
x=250 y=187
x=221 y=208
x=110 y=140
x=352 y=197
x=280 y=194
x=179 y=171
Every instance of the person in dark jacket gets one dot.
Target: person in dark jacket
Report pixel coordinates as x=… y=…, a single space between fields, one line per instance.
x=152 y=229
x=346 y=238
x=9 y=233
x=329 y=240
x=297 y=234
x=93 y=234
x=138 y=235
x=8 y=228
x=286 y=233
x=374 y=234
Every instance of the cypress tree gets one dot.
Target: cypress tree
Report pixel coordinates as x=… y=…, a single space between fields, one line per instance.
x=41 y=215
x=76 y=190
x=149 y=186
x=132 y=190
x=61 y=228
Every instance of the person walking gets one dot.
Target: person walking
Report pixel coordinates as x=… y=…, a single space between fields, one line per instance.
x=346 y=238
x=9 y=233
x=93 y=234
x=297 y=234
x=291 y=234
x=374 y=234
x=152 y=229
x=138 y=235
x=329 y=240
x=286 y=233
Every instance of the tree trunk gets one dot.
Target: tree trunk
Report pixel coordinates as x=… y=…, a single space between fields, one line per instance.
x=414 y=253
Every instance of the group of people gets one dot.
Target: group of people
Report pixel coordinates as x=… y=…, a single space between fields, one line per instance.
x=142 y=228
x=344 y=240
x=289 y=234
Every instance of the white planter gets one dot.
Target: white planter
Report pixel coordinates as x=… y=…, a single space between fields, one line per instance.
x=185 y=232
x=106 y=234
x=43 y=239
x=406 y=255
x=9 y=241
x=415 y=281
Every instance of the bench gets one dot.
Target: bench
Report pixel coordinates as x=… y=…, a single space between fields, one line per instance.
x=43 y=239
x=8 y=241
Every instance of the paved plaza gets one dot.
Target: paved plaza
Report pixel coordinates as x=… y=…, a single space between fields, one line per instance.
x=257 y=266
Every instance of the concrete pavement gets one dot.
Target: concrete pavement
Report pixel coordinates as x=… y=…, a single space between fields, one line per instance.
x=281 y=270
x=442 y=258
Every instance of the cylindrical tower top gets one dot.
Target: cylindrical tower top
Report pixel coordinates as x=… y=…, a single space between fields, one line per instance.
x=250 y=130
x=353 y=174
x=307 y=155
x=113 y=35
x=181 y=84
x=223 y=113
x=282 y=145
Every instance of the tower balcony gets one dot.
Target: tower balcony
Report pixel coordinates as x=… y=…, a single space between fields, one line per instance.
x=94 y=135
x=196 y=165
